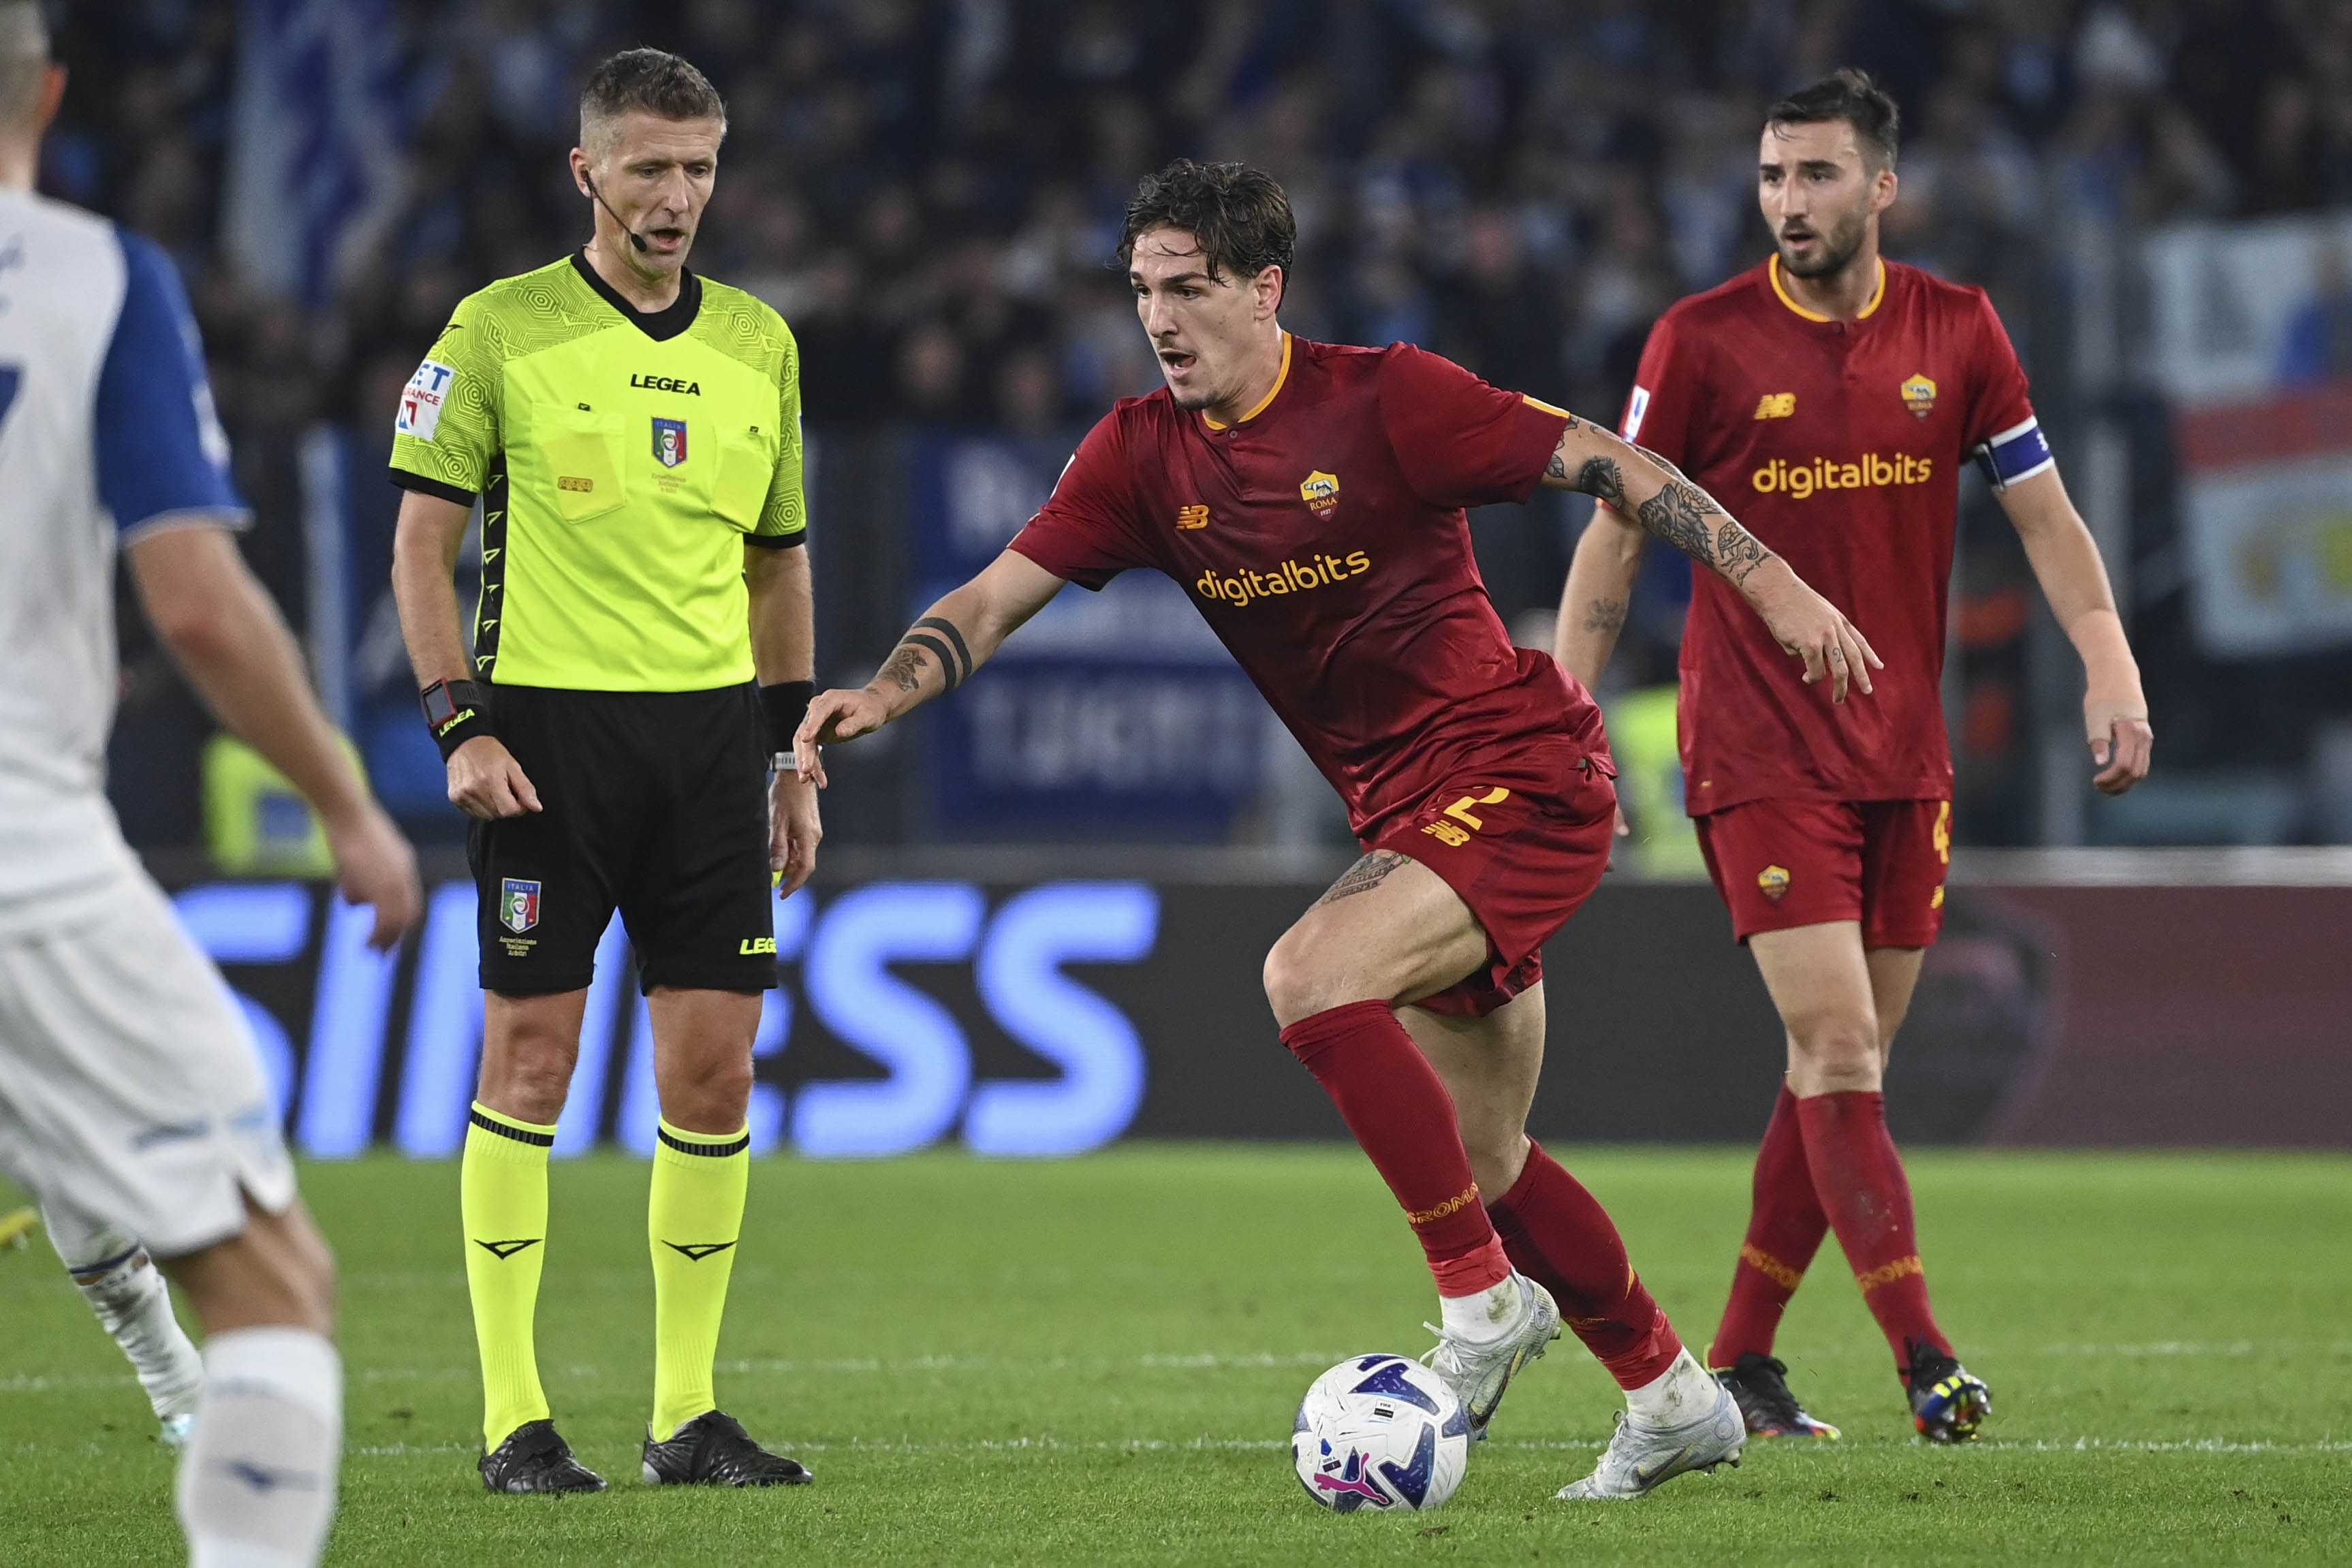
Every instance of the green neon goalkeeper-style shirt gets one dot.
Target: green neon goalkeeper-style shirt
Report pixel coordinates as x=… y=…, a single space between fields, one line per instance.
x=623 y=460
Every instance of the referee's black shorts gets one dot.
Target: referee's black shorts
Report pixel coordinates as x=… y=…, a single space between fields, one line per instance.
x=656 y=803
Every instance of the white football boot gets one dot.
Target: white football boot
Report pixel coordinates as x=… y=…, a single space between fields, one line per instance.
x=1641 y=1456
x=1479 y=1373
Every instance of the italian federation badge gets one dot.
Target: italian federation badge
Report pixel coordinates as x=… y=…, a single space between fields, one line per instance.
x=519 y=904
x=669 y=442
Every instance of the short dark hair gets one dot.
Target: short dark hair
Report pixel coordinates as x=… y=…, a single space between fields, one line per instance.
x=1849 y=95
x=654 y=80
x=1239 y=215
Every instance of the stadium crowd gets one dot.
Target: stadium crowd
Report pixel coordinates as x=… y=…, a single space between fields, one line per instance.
x=929 y=190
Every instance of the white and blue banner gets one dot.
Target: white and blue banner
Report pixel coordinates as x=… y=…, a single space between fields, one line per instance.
x=315 y=168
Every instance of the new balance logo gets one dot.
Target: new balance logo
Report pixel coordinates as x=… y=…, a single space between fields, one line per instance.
x=696 y=1251
x=502 y=1250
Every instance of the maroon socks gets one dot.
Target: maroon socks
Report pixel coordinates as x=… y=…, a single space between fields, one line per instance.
x=1858 y=1177
x=1785 y=1227
x=1559 y=1237
x=1397 y=1106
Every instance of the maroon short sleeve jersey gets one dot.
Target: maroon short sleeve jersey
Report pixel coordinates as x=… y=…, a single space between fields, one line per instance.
x=1838 y=445
x=1323 y=538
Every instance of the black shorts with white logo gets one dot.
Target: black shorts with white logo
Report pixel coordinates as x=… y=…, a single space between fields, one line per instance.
x=654 y=802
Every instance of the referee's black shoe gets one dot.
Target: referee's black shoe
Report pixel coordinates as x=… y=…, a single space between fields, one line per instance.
x=713 y=1450
x=536 y=1458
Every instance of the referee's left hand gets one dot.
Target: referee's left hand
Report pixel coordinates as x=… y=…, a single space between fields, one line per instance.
x=794 y=830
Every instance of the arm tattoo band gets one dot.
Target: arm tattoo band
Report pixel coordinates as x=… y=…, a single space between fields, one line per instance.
x=962 y=671
x=937 y=648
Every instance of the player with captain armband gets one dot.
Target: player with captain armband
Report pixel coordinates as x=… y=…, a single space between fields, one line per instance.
x=1836 y=395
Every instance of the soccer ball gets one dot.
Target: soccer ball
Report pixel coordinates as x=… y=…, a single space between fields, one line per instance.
x=1380 y=1432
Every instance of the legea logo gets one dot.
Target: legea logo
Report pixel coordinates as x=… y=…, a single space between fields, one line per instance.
x=1316 y=571
x=1872 y=471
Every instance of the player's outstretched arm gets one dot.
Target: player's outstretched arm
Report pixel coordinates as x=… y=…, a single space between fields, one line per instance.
x=221 y=628
x=2065 y=560
x=1669 y=507
x=938 y=653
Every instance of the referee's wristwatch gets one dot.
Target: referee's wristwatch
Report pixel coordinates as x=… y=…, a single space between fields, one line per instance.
x=455 y=711
x=785 y=703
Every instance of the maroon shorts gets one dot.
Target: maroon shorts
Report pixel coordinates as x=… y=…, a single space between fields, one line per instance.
x=1780 y=864
x=1523 y=841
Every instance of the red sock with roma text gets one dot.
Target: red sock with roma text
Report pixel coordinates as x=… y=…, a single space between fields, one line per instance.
x=1397 y=1106
x=1785 y=1227
x=1559 y=1237
x=1859 y=1179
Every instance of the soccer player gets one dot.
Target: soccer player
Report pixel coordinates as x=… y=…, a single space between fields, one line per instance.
x=1836 y=394
x=1310 y=498
x=132 y=1103
x=632 y=433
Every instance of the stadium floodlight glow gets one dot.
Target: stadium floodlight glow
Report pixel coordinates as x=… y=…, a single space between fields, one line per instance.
x=853 y=992
x=445 y=1030
x=344 y=1067
x=254 y=922
x=1091 y=1041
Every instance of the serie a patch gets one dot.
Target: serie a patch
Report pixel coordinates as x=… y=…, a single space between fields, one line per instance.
x=421 y=400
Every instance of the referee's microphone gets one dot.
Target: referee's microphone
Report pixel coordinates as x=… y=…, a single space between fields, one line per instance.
x=635 y=238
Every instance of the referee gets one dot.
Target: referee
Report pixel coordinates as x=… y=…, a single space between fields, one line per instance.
x=632 y=435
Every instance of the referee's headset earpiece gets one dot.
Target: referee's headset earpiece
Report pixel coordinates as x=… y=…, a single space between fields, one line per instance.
x=635 y=239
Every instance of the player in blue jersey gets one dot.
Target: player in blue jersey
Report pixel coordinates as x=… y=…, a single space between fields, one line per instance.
x=132 y=1103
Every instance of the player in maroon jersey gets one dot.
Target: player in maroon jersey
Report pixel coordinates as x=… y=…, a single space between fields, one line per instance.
x=1834 y=396
x=1309 y=497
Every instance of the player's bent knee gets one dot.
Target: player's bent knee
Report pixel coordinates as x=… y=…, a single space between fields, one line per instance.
x=1297 y=984
x=1832 y=1055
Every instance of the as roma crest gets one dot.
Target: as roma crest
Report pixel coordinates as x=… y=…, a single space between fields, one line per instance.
x=1320 y=491
x=669 y=442
x=1919 y=396
x=1773 y=882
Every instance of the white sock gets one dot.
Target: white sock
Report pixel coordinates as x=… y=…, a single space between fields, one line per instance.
x=1484 y=1318
x=258 y=1481
x=134 y=1304
x=1676 y=1396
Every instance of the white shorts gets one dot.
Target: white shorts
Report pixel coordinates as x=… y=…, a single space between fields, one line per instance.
x=131 y=1093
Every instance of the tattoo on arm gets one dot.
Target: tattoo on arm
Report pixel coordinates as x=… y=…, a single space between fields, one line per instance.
x=1601 y=476
x=941 y=639
x=1605 y=616
x=903 y=670
x=1363 y=876
x=1678 y=515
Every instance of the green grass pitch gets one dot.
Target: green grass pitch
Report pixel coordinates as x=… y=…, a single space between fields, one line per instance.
x=1096 y=1362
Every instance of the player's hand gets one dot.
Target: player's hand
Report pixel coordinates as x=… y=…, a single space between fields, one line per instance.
x=374 y=866
x=2121 y=741
x=1624 y=830
x=835 y=715
x=485 y=781
x=795 y=830
x=1810 y=628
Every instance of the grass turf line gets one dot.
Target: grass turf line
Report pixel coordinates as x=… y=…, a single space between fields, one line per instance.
x=1096 y=1361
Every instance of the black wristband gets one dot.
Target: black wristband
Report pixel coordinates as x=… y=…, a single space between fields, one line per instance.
x=785 y=703
x=455 y=711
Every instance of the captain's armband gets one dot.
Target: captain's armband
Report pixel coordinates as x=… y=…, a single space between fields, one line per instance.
x=2018 y=453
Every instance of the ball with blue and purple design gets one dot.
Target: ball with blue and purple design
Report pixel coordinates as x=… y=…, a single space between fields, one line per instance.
x=1382 y=1433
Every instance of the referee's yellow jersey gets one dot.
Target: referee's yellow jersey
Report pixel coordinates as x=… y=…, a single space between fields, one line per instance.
x=622 y=459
